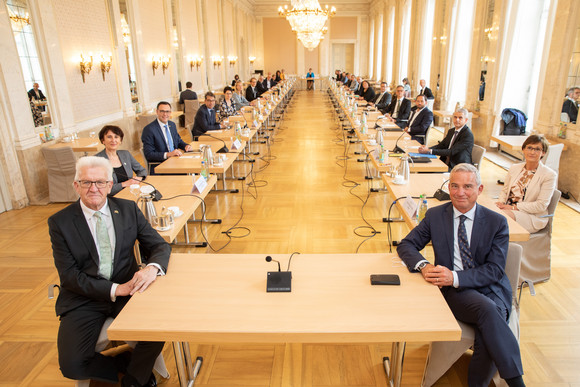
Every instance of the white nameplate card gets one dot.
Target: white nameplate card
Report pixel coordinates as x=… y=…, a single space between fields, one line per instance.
x=236 y=144
x=255 y=124
x=199 y=184
x=410 y=206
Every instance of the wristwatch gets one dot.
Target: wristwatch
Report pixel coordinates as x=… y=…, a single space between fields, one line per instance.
x=422 y=265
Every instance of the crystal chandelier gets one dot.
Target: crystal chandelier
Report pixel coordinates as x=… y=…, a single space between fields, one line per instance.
x=307 y=19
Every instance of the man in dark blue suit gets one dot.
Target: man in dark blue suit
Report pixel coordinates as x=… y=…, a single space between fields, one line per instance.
x=205 y=117
x=160 y=138
x=419 y=120
x=470 y=243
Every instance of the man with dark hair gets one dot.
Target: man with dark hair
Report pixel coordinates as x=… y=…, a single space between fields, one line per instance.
x=205 y=118
x=187 y=94
x=383 y=99
x=470 y=244
x=160 y=138
x=457 y=145
x=252 y=91
x=92 y=244
x=419 y=120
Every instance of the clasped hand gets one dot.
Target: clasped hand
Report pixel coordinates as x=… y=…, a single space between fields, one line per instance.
x=437 y=275
x=139 y=283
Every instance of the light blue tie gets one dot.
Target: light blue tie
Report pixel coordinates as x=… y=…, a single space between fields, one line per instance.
x=169 y=139
x=105 y=249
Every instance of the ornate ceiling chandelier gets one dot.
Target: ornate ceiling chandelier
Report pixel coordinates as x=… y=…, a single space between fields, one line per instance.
x=307 y=19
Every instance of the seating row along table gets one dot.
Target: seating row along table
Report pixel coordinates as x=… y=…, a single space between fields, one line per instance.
x=427 y=184
x=169 y=187
x=222 y=298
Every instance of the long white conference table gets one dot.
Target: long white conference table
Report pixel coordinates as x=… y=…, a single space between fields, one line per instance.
x=222 y=298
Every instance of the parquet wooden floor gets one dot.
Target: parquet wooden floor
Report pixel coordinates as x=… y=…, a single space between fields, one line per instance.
x=303 y=204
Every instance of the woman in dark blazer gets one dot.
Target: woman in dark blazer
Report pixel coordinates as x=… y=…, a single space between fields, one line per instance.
x=367 y=92
x=124 y=164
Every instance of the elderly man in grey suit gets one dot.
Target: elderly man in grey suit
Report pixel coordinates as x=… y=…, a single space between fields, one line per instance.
x=92 y=244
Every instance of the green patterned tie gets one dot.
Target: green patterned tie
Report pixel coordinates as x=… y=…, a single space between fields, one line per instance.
x=105 y=250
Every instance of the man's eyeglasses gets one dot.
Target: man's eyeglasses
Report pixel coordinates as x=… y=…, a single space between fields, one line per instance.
x=533 y=149
x=87 y=183
x=165 y=111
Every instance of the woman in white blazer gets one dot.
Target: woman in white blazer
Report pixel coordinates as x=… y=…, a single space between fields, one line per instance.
x=124 y=164
x=529 y=186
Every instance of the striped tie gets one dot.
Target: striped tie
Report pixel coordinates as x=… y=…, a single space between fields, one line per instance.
x=463 y=243
x=105 y=249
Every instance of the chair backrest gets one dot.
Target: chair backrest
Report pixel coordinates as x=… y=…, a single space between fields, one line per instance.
x=552 y=156
x=191 y=106
x=552 y=209
x=477 y=156
x=59 y=160
x=144 y=120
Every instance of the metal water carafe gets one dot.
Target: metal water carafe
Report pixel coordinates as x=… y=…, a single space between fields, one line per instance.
x=145 y=203
x=403 y=169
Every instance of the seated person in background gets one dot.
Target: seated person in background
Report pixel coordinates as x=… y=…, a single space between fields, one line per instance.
x=123 y=162
x=420 y=119
x=269 y=82
x=227 y=105
x=529 y=187
x=187 y=94
x=367 y=92
x=382 y=101
x=35 y=93
x=347 y=79
x=457 y=145
x=260 y=85
x=337 y=75
x=407 y=87
x=252 y=90
x=425 y=90
x=470 y=244
x=282 y=75
x=278 y=77
x=570 y=105
x=92 y=244
x=399 y=109
x=358 y=90
x=238 y=96
x=236 y=78
x=310 y=81
x=353 y=84
x=160 y=138
x=205 y=118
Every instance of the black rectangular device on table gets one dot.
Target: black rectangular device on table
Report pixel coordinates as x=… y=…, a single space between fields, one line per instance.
x=385 y=279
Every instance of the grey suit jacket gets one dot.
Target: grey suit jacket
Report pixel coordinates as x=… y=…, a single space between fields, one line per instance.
x=129 y=164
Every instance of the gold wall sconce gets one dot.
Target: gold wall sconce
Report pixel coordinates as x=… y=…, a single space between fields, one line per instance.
x=217 y=61
x=252 y=59
x=232 y=60
x=86 y=65
x=160 y=61
x=195 y=61
x=165 y=61
x=155 y=63
x=106 y=65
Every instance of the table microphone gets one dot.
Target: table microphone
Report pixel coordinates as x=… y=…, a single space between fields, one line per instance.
x=223 y=149
x=278 y=281
x=440 y=194
x=397 y=148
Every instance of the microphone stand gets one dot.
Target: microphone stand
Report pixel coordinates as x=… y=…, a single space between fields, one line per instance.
x=397 y=149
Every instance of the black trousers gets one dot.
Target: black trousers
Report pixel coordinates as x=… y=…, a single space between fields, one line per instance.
x=495 y=346
x=77 y=337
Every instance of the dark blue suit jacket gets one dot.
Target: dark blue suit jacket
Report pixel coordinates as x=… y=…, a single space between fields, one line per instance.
x=488 y=245
x=154 y=145
x=204 y=122
x=420 y=124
